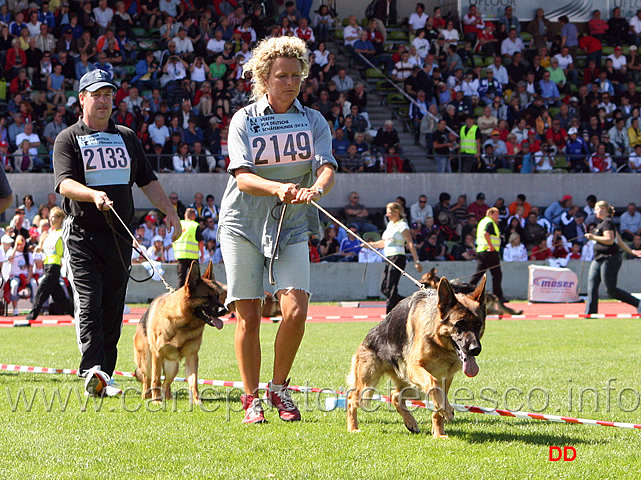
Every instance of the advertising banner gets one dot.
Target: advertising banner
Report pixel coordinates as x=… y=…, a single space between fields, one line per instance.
x=576 y=10
x=552 y=285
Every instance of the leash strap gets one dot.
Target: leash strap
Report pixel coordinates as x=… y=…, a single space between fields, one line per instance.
x=122 y=259
x=138 y=248
x=403 y=272
x=270 y=269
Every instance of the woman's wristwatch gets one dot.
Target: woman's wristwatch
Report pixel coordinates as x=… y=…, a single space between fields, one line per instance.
x=320 y=190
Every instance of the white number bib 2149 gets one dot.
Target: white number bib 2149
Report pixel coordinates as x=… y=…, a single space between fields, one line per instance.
x=105 y=159
x=278 y=141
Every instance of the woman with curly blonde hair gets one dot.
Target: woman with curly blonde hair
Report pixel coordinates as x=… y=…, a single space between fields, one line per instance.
x=280 y=156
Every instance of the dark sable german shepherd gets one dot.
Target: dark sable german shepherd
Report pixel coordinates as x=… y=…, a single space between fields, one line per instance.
x=421 y=344
x=172 y=329
x=493 y=305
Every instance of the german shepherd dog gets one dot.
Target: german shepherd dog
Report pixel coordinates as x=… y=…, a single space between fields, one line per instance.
x=421 y=344
x=493 y=305
x=172 y=329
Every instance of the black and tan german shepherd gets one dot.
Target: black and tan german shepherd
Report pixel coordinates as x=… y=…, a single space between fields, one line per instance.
x=493 y=304
x=421 y=344
x=172 y=329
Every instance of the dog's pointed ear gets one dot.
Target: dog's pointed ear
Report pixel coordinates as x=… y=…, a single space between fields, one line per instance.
x=193 y=276
x=209 y=273
x=479 y=292
x=446 y=297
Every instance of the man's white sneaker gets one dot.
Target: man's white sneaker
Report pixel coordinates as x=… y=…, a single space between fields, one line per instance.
x=112 y=389
x=96 y=381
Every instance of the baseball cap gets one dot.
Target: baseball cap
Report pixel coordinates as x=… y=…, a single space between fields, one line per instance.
x=480 y=196
x=94 y=80
x=618 y=48
x=496 y=132
x=4 y=143
x=68 y=30
x=573 y=99
x=6 y=239
x=566 y=198
x=156 y=238
x=150 y=218
x=633 y=47
x=72 y=100
x=531 y=132
x=572 y=131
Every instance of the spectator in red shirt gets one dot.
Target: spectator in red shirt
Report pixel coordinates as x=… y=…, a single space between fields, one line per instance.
x=122 y=93
x=535 y=145
x=597 y=26
x=21 y=84
x=304 y=32
x=16 y=59
x=123 y=116
x=557 y=134
x=478 y=208
x=541 y=251
x=592 y=46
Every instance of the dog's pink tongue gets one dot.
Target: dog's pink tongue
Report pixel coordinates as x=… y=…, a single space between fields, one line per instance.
x=218 y=323
x=470 y=367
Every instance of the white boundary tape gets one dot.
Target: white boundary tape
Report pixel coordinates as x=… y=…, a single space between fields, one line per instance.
x=340 y=400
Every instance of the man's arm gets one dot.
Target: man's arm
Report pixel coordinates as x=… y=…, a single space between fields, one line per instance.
x=156 y=194
x=81 y=193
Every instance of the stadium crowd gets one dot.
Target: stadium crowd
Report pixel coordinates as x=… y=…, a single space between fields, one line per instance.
x=525 y=97
x=441 y=231
x=447 y=229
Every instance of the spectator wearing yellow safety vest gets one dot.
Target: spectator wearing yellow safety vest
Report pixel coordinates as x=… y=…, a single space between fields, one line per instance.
x=190 y=245
x=470 y=139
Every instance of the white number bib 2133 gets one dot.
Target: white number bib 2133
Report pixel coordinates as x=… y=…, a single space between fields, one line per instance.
x=281 y=145
x=105 y=159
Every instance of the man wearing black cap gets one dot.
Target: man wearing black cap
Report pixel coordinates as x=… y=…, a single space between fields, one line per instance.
x=95 y=164
x=67 y=43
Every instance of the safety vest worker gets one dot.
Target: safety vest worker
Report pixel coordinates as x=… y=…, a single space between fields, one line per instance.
x=469 y=142
x=483 y=234
x=190 y=245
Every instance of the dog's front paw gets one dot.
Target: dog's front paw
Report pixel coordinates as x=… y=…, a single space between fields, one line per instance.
x=412 y=426
x=447 y=413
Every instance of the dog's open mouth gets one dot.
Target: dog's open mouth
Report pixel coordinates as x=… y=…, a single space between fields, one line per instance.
x=209 y=320
x=470 y=367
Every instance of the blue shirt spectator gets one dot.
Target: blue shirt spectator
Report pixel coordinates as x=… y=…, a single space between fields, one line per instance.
x=340 y=144
x=549 y=90
x=576 y=150
x=48 y=18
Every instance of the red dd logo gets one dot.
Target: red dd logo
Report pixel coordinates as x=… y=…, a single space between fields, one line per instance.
x=568 y=454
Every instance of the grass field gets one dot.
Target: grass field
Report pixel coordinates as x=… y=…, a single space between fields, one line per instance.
x=124 y=438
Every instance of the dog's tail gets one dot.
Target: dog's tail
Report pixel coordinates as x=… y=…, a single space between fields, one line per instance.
x=138 y=374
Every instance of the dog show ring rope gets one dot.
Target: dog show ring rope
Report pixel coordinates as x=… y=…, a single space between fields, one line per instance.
x=339 y=400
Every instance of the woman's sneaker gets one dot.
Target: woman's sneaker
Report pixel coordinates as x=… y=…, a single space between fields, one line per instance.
x=253 y=409
x=280 y=398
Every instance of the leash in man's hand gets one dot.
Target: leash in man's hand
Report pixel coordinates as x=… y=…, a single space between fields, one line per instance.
x=137 y=246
